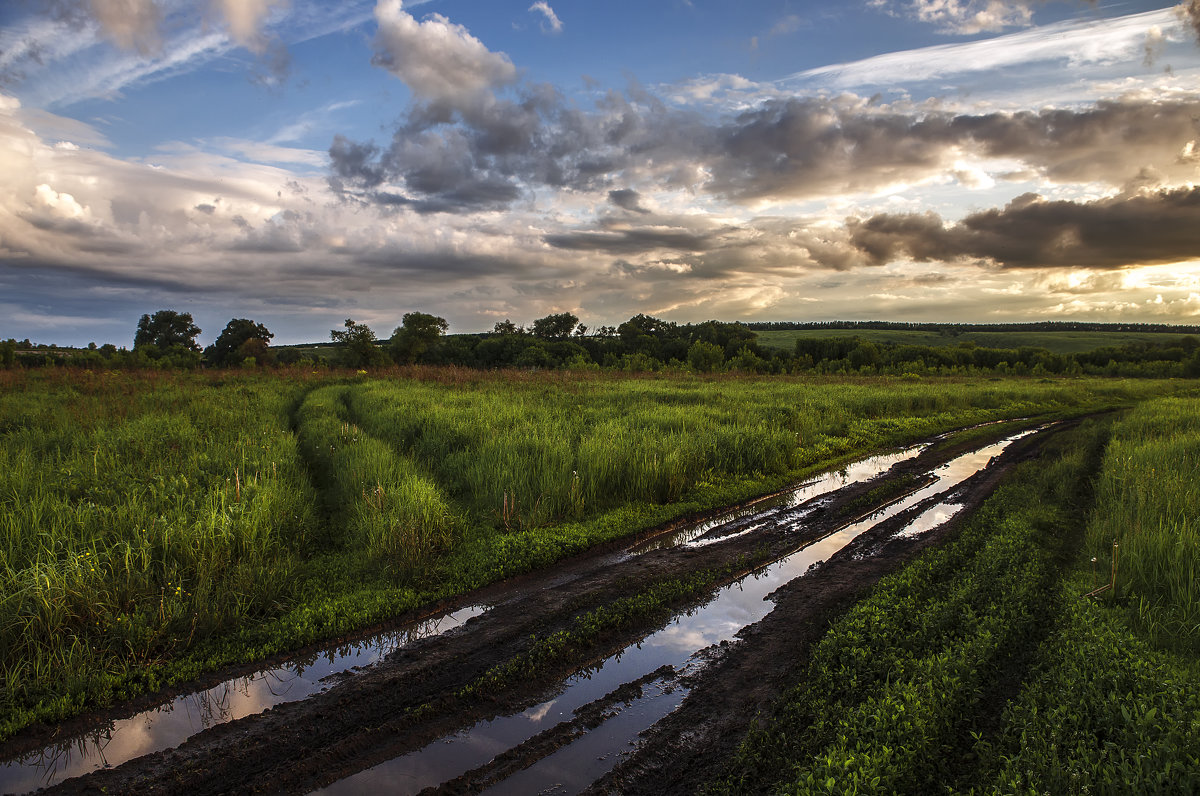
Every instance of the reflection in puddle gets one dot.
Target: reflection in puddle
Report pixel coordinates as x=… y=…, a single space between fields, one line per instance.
x=576 y=765
x=748 y=519
x=171 y=724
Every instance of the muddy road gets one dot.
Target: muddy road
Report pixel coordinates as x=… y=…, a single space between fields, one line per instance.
x=652 y=703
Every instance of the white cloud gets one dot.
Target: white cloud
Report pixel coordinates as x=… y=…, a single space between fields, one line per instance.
x=438 y=59
x=267 y=152
x=63 y=60
x=1118 y=40
x=973 y=16
x=552 y=23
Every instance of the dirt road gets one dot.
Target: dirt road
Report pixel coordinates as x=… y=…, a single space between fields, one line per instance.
x=698 y=678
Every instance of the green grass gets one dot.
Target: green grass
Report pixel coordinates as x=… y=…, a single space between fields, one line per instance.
x=155 y=526
x=979 y=668
x=890 y=697
x=1148 y=501
x=1056 y=342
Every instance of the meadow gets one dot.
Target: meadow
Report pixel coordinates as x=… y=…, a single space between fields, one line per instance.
x=157 y=525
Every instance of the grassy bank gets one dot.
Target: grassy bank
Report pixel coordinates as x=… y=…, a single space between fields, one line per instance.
x=156 y=526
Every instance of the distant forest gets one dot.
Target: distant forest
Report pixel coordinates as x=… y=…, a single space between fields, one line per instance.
x=167 y=340
x=951 y=328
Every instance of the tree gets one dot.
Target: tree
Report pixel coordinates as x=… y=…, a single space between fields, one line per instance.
x=167 y=329
x=241 y=338
x=8 y=353
x=358 y=347
x=417 y=334
x=506 y=327
x=555 y=327
x=705 y=357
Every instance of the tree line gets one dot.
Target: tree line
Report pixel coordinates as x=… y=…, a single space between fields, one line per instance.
x=961 y=328
x=167 y=339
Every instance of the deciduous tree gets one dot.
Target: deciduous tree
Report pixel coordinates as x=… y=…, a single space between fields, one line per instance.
x=167 y=329
x=241 y=338
x=417 y=334
x=358 y=347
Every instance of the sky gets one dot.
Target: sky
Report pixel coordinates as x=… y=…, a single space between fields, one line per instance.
x=299 y=163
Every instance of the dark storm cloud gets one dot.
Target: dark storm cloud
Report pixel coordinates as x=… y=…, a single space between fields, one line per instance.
x=353 y=162
x=440 y=267
x=1029 y=232
x=627 y=199
x=481 y=157
x=631 y=241
x=463 y=156
x=801 y=147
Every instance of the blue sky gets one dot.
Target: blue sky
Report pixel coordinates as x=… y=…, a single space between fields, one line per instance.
x=299 y=163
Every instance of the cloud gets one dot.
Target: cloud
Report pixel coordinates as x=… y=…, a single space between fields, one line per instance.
x=551 y=24
x=789 y=24
x=463 y=147
x=1145 y=228
x=963 y=17
x=627 y=199
x=245 y=19
x=130 y=24
x=1074 y=43
x=1189 y=13
x=804 y=148
x=65 y=54
x=437 y=59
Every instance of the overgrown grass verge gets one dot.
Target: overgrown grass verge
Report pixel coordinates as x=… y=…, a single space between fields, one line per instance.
x=1113 y=703
x=157 y=526
x=1148 y=502
x=1103 y=713
x=891 y=695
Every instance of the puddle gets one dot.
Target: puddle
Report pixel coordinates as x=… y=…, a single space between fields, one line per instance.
x=576 y=765
x=171 y=724
x=748 y=519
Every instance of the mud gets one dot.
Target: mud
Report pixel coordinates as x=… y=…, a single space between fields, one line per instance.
x=411 y=700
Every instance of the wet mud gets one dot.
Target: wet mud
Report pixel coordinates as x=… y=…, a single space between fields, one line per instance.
x=651 y=709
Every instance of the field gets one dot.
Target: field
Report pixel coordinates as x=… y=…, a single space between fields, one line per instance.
x=1058 y=342
x=160 y=526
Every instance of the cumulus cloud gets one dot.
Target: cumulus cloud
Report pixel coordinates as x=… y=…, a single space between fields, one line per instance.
x=551 y=23
x=963 y=16
x=1030 y=232
x=438 y=59
x=783 y=149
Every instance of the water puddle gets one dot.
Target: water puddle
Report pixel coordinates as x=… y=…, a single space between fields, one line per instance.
x=750 y=518
x=173 y=723
x=574 y=766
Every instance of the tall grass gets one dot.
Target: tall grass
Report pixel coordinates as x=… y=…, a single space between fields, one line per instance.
x=154 y=522
x=526 y=454
x=138 y=515
x=1148 y=502
x=388 y=508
